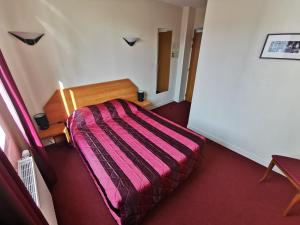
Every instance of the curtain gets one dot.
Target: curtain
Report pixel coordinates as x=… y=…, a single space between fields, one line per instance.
x=16 y=204
x=38 y=151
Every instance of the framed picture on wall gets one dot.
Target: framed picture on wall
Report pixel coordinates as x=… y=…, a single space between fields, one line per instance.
x=281 y=46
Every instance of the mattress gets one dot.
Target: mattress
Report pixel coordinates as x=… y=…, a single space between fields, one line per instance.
x=135 y=156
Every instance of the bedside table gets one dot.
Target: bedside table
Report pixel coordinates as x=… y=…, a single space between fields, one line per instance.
x=55 y=130
x=145 y=104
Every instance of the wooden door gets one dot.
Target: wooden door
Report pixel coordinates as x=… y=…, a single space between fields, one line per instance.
x=164 y=61
x=193 y=66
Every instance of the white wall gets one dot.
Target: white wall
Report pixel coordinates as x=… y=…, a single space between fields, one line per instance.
x=248 y=104
x=199 y=17
x=192 y=18
x=83 y=44
x=186 y=35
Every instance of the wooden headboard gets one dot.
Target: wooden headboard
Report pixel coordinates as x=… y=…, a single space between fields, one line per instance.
x=63 y=102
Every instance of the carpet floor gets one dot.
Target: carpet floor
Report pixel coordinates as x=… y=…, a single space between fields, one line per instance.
x=177 y=112
x=224 y=190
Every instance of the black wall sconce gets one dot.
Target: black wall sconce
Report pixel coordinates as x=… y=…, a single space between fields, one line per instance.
x=131 y=40
x=27 y=37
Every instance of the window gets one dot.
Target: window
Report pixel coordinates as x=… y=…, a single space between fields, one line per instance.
x=11 y=109
x=2 y=138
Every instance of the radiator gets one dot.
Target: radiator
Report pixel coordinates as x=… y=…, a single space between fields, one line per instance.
x=35 y=184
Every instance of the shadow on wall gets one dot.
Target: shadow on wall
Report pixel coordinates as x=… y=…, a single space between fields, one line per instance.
x=63 y=35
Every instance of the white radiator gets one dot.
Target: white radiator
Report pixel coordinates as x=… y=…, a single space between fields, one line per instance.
x=35 y=184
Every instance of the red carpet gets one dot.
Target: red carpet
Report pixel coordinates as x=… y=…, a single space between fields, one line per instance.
x=177 y=112
x=224 y=190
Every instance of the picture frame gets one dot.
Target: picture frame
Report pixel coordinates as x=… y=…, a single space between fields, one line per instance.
x=281 y=46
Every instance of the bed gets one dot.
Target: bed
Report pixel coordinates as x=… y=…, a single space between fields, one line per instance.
x=135 y=156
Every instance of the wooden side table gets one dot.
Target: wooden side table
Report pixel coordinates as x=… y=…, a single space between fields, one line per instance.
x=291 y=169
x=145 y=104
x=55 y=130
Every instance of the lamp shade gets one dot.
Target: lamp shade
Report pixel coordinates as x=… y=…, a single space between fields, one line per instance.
x=42 y=121
x=141 y=95
x=131 y=40
x=27 y=37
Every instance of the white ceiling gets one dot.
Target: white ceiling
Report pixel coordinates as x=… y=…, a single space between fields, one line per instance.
x=194 y=3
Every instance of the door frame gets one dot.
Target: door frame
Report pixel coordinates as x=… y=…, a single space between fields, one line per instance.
x=156 y=51
x=196 y=30
x=167 y=57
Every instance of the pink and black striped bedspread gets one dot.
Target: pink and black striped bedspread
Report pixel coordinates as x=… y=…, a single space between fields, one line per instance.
x=135 y=156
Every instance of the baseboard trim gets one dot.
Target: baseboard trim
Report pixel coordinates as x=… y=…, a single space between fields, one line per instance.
x=254 y=157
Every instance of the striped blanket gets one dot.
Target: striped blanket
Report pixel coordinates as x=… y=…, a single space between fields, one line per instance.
x=135 y=156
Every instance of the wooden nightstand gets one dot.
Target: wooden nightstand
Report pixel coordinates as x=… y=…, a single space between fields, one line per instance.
x=55 y=130
x=145 y=104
